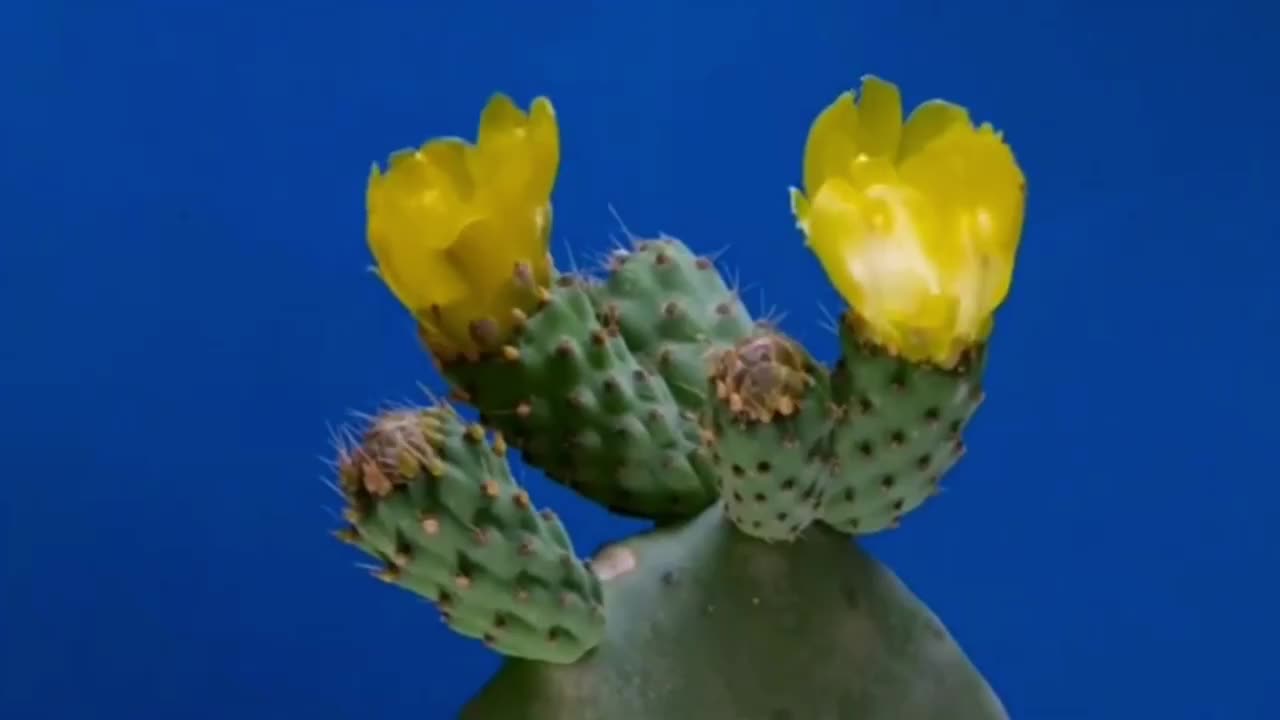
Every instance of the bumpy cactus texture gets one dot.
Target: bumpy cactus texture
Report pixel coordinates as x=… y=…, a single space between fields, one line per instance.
x=705 y=622
x=648 y=388
x=434 y=500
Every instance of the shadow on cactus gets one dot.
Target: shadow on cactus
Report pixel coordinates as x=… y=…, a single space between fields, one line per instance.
x=647 y=388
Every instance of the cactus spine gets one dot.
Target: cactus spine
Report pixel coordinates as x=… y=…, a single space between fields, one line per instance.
x=649 y=389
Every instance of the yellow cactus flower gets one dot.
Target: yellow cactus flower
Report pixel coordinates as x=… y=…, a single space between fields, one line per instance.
x=916 y=224
x=459 y=231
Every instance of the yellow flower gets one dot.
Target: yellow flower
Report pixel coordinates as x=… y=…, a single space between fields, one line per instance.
x=916 y=224
x=459 y=231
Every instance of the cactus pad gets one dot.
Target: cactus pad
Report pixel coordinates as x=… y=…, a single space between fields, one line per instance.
x=708 y=623
x=674 y=309
x=435 y=502
x=577 y=403
x=899 y=432
x=768 y=426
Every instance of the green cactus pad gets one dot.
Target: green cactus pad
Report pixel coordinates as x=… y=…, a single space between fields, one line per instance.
x=435 y=502
x=706 y=623
x=768 y=426
x=570 y=395
x=674 y=309
x=899 y=433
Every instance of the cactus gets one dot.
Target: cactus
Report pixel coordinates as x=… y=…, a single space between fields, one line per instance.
x=648 y=388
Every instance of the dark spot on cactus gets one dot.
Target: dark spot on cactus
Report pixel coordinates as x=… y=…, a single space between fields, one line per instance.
x=852 y=599
x=759 y=497
x=850 y=495
x=958 y=448
x=669 y=577
x=898 y=381
x=661 y=258
x=796 y=528
x=853 y=523
x=899 y=504
x=887 y=482
x=955 y=427
x=782 y=517
x=564 y=349
x=763 y=467
x=932 y=414
x=738 y=470
x=756 y=524
x=565 y=281
x=865 y=405
x=715 y=458
x=640 y=375
x=499 y=621
x=809 y=492
x=737 y=497
x=723 y=308
x=924 y=461
x=866 y=448
x=702 y=263
x=897 y=438
x=789 y=483
x=671 y=310
x=554 y=634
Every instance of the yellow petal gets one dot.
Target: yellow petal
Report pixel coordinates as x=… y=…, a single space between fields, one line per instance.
x=832 y=143
x=869 y=243
x=975 y=183
x=447 y=160
x=880 y=118
x=800 y=210
x=516 y=157
x=544 y=141
x=928 y=121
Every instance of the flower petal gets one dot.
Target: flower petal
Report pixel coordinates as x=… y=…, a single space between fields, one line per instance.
x=928 y=121
x=832 y=142
x=880 y=116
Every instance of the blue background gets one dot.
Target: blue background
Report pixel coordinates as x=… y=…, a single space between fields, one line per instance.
x=185 y=312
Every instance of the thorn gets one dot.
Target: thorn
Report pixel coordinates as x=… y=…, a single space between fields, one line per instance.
x=499 y=445
x=510 y=353
x=430 y=526
x=491 y=489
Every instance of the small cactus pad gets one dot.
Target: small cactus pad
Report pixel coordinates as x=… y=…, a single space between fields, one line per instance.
x=768 y=428
x=576 y=402
x=899 y=431
x=674 y=309
x=435 y=502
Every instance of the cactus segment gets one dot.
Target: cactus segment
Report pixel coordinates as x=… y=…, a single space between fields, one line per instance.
x=434 y=501
x=768 y=427
x=673 y=309
x=706 y=623
x=899 y=433
x=570 y=395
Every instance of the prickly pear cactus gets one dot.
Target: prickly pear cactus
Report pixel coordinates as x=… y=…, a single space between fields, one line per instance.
x=646 y=386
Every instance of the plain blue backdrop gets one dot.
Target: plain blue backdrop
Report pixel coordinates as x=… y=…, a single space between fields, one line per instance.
x=185 y=312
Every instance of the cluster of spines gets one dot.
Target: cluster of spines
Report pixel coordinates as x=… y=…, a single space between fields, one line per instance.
x=768 y=430
x=434 y=500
